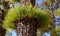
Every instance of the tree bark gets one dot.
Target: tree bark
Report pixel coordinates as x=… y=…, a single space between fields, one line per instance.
x=2 y=31
x=26 y=27
x=2 y=15
x=33 y=2
x=27 y=2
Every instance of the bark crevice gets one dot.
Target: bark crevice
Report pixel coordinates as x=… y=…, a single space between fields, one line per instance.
x=26 y=27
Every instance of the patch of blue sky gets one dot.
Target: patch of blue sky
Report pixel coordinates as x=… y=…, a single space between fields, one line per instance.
x=14 y=33
x=46 y=34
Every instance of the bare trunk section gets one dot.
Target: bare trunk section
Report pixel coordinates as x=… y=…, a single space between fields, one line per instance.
x=2 y=31
x=27 y=2
x=26 y=27
x=33 y=2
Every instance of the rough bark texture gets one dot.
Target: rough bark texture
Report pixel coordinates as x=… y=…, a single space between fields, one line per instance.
x=32 y=2
x=26 y=27
x=27 y=2
x=6 y=4
x=2 y=31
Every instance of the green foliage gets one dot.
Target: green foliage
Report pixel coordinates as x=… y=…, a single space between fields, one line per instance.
x=21 y=12
x=58 y=29
x=57 y=12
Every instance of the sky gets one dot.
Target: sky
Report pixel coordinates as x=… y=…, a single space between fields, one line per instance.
x=38 y=2
x=46 y=34
x=14 y=33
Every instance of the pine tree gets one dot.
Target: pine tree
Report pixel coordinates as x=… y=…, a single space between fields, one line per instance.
x=27 y=20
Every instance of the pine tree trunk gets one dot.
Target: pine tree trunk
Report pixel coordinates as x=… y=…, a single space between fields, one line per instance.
x=33 y=2
x=26 y=28
x=27 y=2
x=2 y=15
x=2 y=31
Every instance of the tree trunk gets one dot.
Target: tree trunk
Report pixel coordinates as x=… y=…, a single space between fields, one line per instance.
x=26 y=27
x=33 y=2
x=27 y=2
x=2 y=15
x=2 y=31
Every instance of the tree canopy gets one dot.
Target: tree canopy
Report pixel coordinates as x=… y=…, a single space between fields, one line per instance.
x=21 y=12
